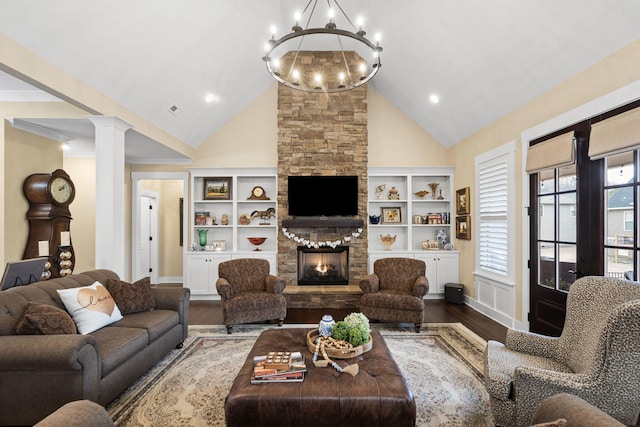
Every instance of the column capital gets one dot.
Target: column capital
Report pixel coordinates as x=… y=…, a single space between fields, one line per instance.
x=110 y=121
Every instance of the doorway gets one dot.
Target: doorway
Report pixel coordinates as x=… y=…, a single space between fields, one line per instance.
x=148 y=237
x=169 y=216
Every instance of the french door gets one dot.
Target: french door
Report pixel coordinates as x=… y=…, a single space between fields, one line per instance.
x=567 y=234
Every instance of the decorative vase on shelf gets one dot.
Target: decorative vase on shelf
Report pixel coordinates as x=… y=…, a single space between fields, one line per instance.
x=374 y=219
x=388 y=240
x=433 y=186
x=202 y=235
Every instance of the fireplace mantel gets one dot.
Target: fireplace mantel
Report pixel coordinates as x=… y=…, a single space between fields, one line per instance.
x=322 y=223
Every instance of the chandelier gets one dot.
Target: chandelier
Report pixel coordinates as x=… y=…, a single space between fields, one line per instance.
x=323 y=58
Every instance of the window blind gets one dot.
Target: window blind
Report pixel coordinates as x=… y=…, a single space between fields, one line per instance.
x=615 y=135
x=553 y=153
x=493 y=210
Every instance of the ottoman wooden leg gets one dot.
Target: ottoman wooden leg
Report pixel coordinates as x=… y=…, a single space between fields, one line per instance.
x=417 y=326
x=280 y=322
x=229 y=329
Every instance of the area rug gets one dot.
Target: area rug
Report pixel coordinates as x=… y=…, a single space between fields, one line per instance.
x=442 y=365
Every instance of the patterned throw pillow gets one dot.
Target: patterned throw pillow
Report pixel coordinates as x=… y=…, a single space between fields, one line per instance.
x=91 y=307
x=43 y=319
x=132 y=297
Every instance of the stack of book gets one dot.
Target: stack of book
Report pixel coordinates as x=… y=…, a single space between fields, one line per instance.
x=278 y=366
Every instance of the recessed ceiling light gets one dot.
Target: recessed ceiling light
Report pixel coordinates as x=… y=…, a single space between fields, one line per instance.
x=434 y=98
x=211 y=98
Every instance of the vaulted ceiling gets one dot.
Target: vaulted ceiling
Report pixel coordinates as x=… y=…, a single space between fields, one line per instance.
x=483 y=59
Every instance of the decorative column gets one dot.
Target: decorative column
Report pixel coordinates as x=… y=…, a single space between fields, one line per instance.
x=110 y=193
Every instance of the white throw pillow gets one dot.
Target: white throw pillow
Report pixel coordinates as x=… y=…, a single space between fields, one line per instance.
x=90 y=307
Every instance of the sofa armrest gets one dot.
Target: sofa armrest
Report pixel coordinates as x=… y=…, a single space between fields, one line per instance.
x=79 y=413
x=370 y=284
x=421 y=287
x=575 y=410
x=224 y=288
x=47 y=352
x=174 y=298
x=275 y=284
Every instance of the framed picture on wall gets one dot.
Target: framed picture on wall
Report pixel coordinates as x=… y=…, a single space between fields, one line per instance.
x=463 y=227
x=463 y=203
x=217 y=188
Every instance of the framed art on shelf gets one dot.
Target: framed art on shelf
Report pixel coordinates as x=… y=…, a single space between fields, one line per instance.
x=217 y=188
x=391 y=215
x=463 y=227
x=462 y=201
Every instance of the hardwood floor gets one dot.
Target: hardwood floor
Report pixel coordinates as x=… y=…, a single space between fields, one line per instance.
x=437 y=311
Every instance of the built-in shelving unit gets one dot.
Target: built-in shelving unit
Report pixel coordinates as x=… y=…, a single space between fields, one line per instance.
x=392 y=191
x=230 y=240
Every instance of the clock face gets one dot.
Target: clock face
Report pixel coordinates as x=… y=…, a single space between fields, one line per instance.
x=61 y=190
x=258 y=191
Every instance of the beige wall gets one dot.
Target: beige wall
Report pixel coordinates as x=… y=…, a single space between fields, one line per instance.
x=22 y=154
x=612 y=73
x=25 y=154
x=396 y=140
x=250 y=138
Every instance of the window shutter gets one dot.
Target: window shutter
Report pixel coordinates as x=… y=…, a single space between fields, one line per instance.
x=492 y=211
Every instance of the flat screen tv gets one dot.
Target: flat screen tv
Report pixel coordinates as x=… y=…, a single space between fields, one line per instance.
x=323 y=195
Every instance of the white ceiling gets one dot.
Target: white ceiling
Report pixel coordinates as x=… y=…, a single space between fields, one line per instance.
x=483 y=59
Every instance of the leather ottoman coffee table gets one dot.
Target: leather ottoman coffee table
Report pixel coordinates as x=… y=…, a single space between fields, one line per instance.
x=377 y=396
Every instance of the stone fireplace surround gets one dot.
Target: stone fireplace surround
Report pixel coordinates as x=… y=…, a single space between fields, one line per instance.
x=322 y=134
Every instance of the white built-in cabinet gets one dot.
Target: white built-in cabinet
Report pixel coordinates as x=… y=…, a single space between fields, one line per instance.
x=201 y=265
x=421 y=217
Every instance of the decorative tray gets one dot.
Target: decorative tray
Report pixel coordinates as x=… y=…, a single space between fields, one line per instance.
x=338 y=353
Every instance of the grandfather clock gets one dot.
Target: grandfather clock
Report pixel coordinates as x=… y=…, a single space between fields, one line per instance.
x=49 y=196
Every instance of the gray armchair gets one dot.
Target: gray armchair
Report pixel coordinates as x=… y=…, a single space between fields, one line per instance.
x=596 y=357
x=394 y=291
x=249 y=293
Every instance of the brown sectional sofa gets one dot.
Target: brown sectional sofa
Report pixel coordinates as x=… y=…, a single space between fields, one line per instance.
x=40 y=373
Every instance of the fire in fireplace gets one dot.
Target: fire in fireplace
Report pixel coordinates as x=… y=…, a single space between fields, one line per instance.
x=323 y=266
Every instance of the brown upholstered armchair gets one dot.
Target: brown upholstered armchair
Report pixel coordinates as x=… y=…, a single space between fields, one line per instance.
x=249 y=293
x=596 y=357
x=394 y=291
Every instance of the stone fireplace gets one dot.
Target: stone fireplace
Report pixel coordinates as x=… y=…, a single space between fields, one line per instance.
x=323 y=266
x=322 y=134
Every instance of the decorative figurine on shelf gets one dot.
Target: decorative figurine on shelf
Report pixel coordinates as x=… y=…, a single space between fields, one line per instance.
x=264 y=215
x=245 y=219
x=388 y=240
x=393 y=194
x=441 y=197
x=374 y=219
x=433 y=186
x=211 y=220
x=379 y=190
x=224 y=219
x=421 y=193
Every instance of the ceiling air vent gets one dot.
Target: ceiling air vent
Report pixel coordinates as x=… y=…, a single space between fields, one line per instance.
x=175 y=110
